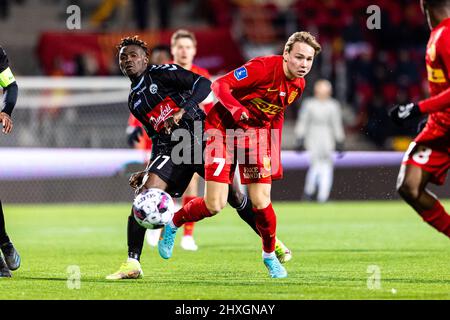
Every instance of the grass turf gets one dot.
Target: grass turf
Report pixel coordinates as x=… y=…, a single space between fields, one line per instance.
x=336 y=247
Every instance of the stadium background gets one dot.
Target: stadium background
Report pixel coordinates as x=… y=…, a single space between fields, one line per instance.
x=69 y=142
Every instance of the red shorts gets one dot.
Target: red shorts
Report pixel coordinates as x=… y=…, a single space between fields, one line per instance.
x=431 y=152
x=252 y=149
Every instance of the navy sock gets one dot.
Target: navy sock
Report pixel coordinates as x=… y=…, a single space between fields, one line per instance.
x=3 y=236
x=135 y=236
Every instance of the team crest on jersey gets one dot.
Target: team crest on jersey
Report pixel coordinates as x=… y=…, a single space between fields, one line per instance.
x=292 y=96
x=153 y=88
x=240 y=73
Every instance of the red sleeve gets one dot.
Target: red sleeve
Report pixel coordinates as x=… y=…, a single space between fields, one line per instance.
x=205 y=73
x=244 y=77
x=436 y=103
x=277 y=125
x=441 y=101
x=133 y=122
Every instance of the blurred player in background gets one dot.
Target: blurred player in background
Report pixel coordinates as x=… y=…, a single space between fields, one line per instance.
x=184 y=48
x=252 y=97
x=428 y=157
x=319 y=129
x=9 y=259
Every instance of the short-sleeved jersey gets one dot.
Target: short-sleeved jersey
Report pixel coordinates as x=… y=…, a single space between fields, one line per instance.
x=438 y=68
x=262 y=87
x=157 y=95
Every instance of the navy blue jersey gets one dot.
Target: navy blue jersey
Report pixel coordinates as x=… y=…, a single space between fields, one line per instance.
x=160 y=92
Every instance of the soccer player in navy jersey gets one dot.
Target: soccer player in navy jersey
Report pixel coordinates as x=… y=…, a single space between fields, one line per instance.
x=10 y=259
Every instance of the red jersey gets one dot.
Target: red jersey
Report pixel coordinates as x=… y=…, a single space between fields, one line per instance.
x=259 y=87
x=145 y=143
x=200 y=71
x=438 y=68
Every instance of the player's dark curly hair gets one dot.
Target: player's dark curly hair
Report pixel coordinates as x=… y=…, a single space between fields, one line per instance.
x=133 y=41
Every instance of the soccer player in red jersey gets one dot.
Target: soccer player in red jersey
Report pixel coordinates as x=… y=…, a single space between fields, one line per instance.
x=183 y=46
x=428 y=157
x=251 y=98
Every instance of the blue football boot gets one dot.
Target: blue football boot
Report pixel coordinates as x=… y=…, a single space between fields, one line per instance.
x=276 y=270
x=166 y=241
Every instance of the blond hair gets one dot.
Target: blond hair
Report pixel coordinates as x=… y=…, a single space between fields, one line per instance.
x=182 y=33
x=304 y=37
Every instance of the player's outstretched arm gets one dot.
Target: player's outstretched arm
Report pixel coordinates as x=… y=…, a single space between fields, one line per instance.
x=200 y=90
x=222 y=91
x=436 y=103
x=403 y=112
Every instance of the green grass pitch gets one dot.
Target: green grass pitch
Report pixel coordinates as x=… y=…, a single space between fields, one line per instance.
x=338 y=250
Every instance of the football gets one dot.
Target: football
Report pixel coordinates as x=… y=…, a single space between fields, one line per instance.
x=153 y=208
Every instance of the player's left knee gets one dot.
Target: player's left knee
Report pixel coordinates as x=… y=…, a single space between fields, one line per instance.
x=214 y=205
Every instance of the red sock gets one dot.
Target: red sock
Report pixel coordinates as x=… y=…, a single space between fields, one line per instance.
x=266 y=223
x=195 y=210
x=437 y=218
x=188 y=226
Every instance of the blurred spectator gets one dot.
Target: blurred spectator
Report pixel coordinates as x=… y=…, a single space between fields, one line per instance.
x=106 y=11
x=160 y=54
x=141 y=13
x=86 y=65
x=407 y=72
x=141 y=10
x=4 y=8
x=377 y=119
x=319 y=130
